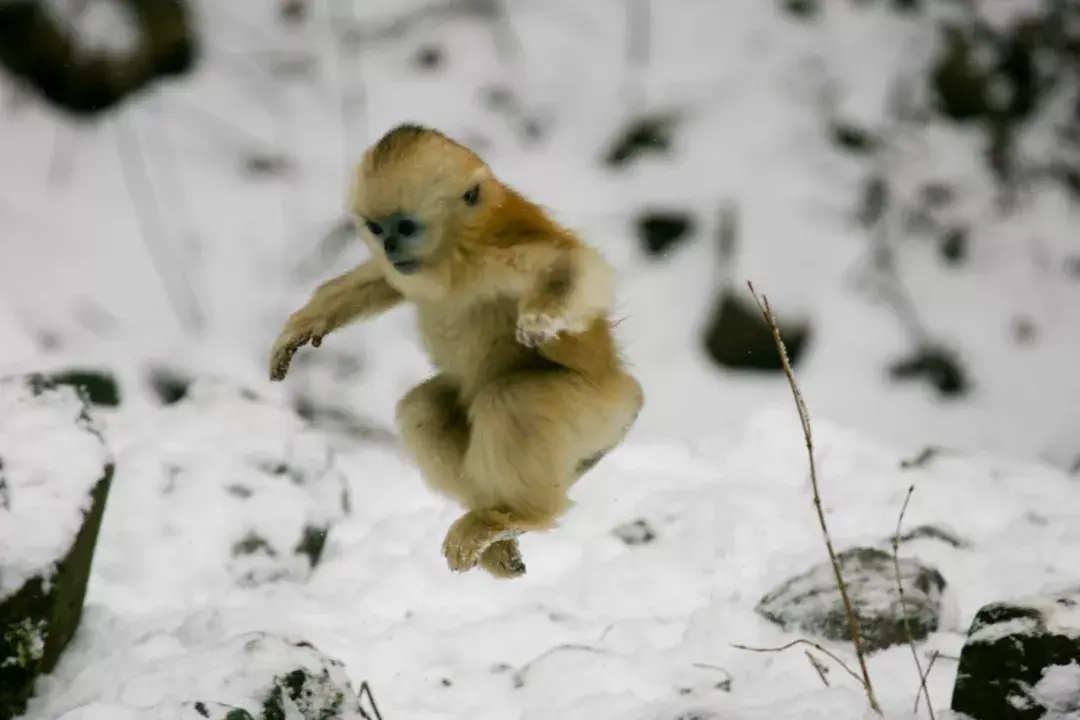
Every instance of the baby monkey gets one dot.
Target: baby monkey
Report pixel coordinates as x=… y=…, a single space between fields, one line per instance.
x=513 y=310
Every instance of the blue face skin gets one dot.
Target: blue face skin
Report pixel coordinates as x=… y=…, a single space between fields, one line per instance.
x=401 y=235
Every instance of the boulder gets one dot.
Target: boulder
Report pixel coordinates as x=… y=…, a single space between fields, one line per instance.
x=99 y=385
x=661 y=231
x=55 y=473
x=736 y=336
x=262 y=486
x=811 y=602
x=1021 y=661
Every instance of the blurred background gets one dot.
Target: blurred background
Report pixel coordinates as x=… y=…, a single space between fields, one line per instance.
x=900 y=177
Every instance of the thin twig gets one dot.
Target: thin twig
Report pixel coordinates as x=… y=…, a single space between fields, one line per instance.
x=804 y=419
x=819 y=666
x=922 y=681
x=821 y=649
x=903 y=603
x=365 y=689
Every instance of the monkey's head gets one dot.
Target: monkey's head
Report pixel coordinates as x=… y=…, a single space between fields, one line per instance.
x=415 y=191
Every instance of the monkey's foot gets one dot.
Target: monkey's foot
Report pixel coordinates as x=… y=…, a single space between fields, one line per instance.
x=502 y=559
x=470 y=536
x=535 y=329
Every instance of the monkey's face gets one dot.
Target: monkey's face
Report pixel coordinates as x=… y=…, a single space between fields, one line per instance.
x=412 y=198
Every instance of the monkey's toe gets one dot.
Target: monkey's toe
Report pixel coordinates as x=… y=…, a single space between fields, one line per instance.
x=502 y=559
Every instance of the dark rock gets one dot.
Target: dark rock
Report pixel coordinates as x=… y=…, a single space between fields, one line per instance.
x=933 y=532
x=737 y=337
x=961 y=88
x=293 y=12
x=954 y=245
x=641 y=135
x=661 y=230
x=812 y=603
x=266 y=165
x=853 y=139
x=875 y=200
x=938 y=366
x=1011 y=646
x=169 y=386
x=802 y=9
x=637 y=532
x=430 y=57
x=100 y=386
x=40 y=609
x=342 y=421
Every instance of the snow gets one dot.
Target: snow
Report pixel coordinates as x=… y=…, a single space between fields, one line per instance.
x=716 y=466
x=1059 y=690
x=51 y=458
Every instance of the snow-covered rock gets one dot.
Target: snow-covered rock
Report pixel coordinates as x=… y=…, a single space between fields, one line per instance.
x=55 y=472
x=811 y=602
x=1020 y=660
x=227 y=485
x=253 y=676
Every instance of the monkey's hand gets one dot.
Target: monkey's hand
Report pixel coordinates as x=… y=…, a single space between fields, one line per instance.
x=534 y=328
x=301 y=328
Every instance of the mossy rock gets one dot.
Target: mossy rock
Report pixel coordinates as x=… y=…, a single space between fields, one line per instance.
x=1011 y=647
x=811 y=602
x=39 y=616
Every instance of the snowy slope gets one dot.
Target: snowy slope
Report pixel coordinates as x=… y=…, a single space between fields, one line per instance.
x=91 y=211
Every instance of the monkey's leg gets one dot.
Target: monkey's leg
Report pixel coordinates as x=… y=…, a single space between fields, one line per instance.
x=435 y=431
x=529 y=431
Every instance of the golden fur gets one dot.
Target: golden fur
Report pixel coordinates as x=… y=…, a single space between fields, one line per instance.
x=514 y=312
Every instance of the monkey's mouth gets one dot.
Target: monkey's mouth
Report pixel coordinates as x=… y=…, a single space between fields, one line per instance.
x=406 y=267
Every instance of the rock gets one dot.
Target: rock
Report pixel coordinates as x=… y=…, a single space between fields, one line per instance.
x=55 y=473
x=737 y=337
x=811 y=602
x=852 y=138
x=641 y=134
x=954 y=245
x=937 y=365
x=933 y=532
x=637 y=532
x=802 y=9
x=263 y=484
x=1021 y=661
x=100 y=386
x=430 y=57
x=168 y=385
x=661 y=230
x=254 y=675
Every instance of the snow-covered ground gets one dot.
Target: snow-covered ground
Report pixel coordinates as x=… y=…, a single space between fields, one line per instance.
x=715 y=465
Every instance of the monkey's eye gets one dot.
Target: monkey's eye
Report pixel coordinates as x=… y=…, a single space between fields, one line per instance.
x=373 y=228
x=472 y=195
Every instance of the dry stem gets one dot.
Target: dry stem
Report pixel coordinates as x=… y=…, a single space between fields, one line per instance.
x=903 y=607
x=801 y=641
x=804 y=419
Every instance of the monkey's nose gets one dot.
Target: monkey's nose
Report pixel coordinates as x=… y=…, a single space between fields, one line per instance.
x=391 y=245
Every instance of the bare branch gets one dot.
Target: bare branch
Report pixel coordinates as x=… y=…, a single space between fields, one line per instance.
x=804 y=419
x=820 y=648
x=903 y=606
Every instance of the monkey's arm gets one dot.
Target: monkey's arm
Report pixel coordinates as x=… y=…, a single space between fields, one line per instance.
x=568 y=289
x=356 y=295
